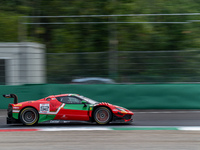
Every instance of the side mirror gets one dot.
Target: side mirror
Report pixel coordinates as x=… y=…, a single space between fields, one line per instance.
x=85 y=103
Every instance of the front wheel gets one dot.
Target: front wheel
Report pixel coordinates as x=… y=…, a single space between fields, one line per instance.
x=29 y=116
x=102 y=115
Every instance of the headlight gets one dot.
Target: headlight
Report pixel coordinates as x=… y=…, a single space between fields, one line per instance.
x=120 y=109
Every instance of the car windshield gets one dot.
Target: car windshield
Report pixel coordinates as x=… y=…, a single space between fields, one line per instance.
x=88 y=100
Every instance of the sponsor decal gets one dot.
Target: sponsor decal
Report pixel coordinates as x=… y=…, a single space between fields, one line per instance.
x=58 y=121
x=44 y=108
x=15 y=111
x=17 y=105
x=54 y=121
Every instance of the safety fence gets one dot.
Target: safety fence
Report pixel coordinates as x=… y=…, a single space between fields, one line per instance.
x=128 y=67
x=131 y=67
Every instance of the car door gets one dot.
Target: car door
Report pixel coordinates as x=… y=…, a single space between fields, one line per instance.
x=74 y=109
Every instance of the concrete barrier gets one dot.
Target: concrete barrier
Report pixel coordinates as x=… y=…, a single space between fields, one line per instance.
x=135 y=96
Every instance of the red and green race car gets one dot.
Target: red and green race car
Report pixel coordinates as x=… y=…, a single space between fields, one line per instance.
x=65 y=108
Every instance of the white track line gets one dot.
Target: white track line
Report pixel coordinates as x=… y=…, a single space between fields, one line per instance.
x=189 y=128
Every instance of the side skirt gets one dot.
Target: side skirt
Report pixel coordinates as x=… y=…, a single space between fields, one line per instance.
x=64 y=122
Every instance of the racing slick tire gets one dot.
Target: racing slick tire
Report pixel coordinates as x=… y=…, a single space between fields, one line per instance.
x=29 y=116
x=102 y=115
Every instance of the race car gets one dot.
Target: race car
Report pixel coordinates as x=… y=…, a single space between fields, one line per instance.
x=65 y=108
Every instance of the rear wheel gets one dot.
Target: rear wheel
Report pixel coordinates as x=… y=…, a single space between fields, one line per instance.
x=29 y=116
x=102 y=115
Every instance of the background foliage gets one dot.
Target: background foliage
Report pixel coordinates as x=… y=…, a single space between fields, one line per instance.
x=143 y=37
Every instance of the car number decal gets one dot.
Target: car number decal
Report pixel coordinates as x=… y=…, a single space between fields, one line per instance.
x=49 y=112
x=44 y=108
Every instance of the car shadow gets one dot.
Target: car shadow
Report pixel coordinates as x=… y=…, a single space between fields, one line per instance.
x=71 y=124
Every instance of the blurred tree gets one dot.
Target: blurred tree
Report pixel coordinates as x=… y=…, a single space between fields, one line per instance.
x=97 y=37
x=8 y=28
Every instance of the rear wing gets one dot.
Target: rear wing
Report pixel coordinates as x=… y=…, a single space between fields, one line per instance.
x=12 y=96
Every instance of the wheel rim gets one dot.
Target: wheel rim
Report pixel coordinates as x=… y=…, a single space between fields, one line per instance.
x=29 y=116
x=102 y=115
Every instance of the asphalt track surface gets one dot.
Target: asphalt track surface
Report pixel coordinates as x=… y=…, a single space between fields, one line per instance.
x=112 y=139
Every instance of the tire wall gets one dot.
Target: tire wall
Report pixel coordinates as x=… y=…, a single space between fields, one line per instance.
x=134 y=96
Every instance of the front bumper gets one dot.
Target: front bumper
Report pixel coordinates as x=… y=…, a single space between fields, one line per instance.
x=122 y=118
